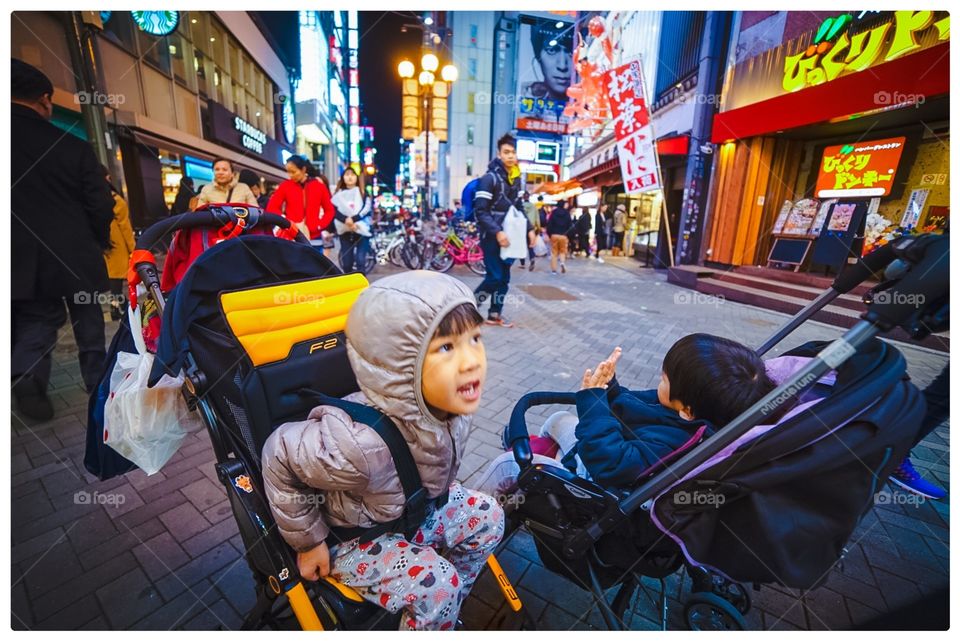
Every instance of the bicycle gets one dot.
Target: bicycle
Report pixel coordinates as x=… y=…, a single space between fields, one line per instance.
x=457 y=250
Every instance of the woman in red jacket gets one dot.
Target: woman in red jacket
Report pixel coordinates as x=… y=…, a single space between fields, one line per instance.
x=301 y=198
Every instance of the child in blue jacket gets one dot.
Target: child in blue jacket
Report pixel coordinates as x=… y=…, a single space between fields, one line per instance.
x=618 y=434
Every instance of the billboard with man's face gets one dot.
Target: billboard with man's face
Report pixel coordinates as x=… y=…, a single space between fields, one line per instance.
x=544 y=72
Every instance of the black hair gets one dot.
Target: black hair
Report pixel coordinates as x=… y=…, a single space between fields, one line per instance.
x=460 y=319
x=226 y=160
x=249 y=178
x=544 y=32
x=301 y=162
x=187 y=181
x=717 y=378
x=27 y=82
x=506 y=139
x=343 y=185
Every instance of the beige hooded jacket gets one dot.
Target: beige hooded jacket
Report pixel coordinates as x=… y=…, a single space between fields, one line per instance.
x=330 y=471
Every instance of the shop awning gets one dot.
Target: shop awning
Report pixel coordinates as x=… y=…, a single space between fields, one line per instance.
x=553 y=188
x=926 y=74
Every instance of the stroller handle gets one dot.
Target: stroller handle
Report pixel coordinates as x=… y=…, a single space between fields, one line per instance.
x=213 y=216
x=517 y=435
x=871 y=265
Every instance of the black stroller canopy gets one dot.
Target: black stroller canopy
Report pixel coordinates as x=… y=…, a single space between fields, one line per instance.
x=783 y=505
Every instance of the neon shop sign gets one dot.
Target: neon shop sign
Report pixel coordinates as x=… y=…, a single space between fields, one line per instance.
x=834 y=51
x=251 y=137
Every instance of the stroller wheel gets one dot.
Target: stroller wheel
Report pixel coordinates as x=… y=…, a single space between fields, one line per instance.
x=707 y=611
x=734 y=593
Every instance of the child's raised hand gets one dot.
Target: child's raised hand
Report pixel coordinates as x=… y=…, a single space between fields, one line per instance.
x=604 y=373
x=314 y=563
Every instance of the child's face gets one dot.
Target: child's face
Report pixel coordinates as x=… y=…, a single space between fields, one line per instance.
x=454 y=372
x=663 y=395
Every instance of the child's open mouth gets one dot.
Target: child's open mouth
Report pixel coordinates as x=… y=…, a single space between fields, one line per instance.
x=470 y=391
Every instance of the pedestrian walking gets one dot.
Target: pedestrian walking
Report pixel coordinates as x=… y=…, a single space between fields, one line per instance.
x=61 y=211
x=583 y=231
x=303 y=199
x=353 y=221
x=185 y=194
x=619 y=228
x=558 y=227
x=599 y=231
x=226 y=186
x=497 y=193
x=122 y=245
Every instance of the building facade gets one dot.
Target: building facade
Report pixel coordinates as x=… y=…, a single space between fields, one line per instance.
x=468 y=147
x=213 y=87
x=827 y=118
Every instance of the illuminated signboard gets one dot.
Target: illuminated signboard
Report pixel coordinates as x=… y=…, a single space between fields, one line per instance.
x=548 y=152
x=859 y=169
x=251 y=137
x=156 y=23
x=834 y=51
x=526 y=149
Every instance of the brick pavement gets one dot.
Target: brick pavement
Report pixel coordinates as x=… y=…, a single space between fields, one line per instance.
x=167 y=555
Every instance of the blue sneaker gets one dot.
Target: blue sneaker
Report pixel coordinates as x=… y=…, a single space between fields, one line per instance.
x=909 y=479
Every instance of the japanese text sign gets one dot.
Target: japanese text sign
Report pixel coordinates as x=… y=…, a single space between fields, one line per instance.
x=859 y=169
x=635 y=141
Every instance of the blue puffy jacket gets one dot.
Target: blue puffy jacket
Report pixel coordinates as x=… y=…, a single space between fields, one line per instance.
x=622 y=433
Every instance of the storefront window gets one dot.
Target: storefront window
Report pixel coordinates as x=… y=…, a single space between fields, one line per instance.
x=216 y=46
x=170 y=175
x=155 y=50
x=198 y=31
x=120 y=29
x=181 y=59
x=225 y=90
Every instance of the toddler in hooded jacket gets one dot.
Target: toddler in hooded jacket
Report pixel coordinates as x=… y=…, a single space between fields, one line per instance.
x=414 y=344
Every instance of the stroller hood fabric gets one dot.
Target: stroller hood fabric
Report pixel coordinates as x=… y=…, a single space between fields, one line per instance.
x=780 y=503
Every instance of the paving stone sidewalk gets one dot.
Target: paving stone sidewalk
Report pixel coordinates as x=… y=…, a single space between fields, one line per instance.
x=163 y=552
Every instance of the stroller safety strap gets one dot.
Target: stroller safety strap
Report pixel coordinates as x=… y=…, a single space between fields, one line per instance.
x=269 y=321
x=416 y=502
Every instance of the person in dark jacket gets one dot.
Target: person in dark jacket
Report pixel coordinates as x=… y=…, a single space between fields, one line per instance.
x=497 y=191
x=618 y=434
x=558 y=227
x=583 y=230
x=252 y=180
x=600 y=230
x=61 y=210
x=185 y=192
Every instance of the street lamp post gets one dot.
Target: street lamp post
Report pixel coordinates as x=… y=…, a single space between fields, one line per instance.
x=426 y=79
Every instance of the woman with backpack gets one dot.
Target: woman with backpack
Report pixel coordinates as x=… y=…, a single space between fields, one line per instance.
x=303 y=199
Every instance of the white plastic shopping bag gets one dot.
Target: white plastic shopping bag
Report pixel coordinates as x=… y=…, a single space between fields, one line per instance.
x=540 y=247
x=515 y=226
x=144 y=424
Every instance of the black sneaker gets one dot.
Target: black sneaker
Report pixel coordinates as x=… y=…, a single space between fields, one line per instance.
x=31 y=400
x=532 y=261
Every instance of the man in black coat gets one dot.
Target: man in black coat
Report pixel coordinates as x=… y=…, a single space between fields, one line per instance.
x=61 y=209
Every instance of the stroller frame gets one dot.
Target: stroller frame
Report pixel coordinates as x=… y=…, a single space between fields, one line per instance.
x=908 y=266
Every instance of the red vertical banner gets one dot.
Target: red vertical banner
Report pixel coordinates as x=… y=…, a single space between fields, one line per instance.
x=635 y=142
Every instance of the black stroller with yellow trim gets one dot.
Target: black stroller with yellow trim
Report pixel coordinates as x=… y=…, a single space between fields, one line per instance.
x=763 y=500
x=255 y=322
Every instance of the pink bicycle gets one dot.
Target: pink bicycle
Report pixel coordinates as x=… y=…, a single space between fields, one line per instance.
x=456 y=250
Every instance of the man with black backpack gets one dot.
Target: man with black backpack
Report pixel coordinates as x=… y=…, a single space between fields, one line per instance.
x=497 y=192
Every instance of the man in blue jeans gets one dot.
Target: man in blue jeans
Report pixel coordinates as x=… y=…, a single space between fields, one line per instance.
x=498 y=190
